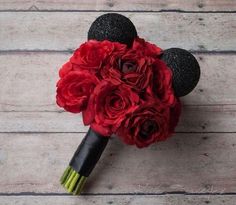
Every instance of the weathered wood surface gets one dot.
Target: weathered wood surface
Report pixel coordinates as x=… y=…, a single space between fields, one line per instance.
x=37 y=139
x=119 y=200
x=28 y=80
x=193 y=119
x=195 y=163
x=63 y=31
x=111 y=5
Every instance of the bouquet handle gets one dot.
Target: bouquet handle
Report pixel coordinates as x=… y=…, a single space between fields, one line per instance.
x=83 y=162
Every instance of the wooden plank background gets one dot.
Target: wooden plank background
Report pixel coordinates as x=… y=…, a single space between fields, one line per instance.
x=65 y=31
x=37 y=139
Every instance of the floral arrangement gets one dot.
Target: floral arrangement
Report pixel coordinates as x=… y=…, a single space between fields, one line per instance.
x=119 y=90
x=123 y=86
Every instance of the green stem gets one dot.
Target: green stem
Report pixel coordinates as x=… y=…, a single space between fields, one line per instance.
x=65 y=175
x=72 y=181
x=80 y=185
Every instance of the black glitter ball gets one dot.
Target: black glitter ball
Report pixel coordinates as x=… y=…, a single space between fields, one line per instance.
x=185 y=68
x=113 y=27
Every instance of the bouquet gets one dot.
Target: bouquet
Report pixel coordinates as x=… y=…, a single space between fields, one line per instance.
x=121 y=87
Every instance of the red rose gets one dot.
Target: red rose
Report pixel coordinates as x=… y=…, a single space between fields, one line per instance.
x=92 y=54
x=162 y=83
x=146 y=48
x=118 y=51
x=146 y=125
x=66 y=68
x=108 y=106
x=74 y=89
x=131 y=69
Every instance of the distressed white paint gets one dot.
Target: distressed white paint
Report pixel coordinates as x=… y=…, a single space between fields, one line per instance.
x=198 y=162
x=62 y=31
x=195 y=163
x=134 y=5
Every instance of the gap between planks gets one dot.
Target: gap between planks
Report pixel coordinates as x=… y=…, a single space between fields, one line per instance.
x=70 y=51
x=211 y=107
x=124 y=11
x=121 y=194
x=118 y=200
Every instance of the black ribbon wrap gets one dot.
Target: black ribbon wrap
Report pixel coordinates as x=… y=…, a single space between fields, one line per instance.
x=88 y=153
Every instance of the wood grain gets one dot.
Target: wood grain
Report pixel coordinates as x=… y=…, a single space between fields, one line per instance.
x=28 y=80
x=65 y=31
x=112 y=5
x=193 y=119
x=119 y=200
x=37 y=139
x=195 y=163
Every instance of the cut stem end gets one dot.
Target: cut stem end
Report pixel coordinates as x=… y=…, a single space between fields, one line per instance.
x=72 y=181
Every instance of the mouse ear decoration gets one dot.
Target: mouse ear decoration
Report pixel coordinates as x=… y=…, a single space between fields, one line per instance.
x=185 y=69
x=113 y=27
